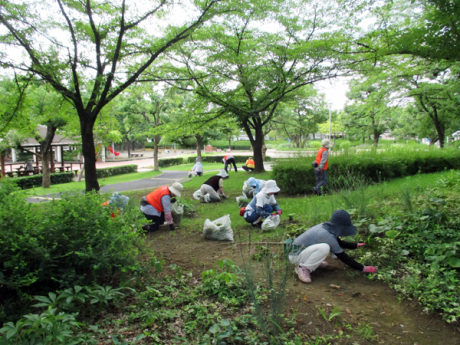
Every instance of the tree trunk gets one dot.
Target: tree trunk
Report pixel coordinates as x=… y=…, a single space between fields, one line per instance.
x=439 y=129
x=199 y=140
x=257 y=143
x=229 y=143
x=2 y=162
x=46 y=179
x=376 y=137
x=89 y=153
x=156 y=141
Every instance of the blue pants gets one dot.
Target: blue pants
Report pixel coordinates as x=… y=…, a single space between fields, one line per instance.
x=321 y=180
x=254 y=216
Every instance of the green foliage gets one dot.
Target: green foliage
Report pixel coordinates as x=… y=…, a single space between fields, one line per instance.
x=218 y=159
x=27 y=182
x=119 y=170
x=225 y=284
x=69 y=241
x=235 y=145
x=170 y=161
x=375 y=166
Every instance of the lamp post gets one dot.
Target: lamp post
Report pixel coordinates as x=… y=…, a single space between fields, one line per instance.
x=330 y=120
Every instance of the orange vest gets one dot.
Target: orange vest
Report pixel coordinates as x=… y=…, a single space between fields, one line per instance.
x=154 y=198
x=319 y=155
x=250 y=164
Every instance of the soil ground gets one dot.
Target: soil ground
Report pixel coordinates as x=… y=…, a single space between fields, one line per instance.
x=362 y=302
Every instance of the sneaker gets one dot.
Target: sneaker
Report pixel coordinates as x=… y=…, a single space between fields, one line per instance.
x=257 y=225
x=303 y=273
x=323 y=264
x=202 y=200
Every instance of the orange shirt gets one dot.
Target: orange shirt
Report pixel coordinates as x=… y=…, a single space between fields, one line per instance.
x=319 y=155
x=154 y=198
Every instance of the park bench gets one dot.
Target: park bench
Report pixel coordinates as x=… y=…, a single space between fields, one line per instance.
x=136 y=155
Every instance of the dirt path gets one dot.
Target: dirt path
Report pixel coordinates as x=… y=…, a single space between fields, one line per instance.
x=370 y=308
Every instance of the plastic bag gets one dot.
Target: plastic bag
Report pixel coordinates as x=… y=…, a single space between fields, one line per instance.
x=219 y=229
x=197 y=194
x=246 y=189
x=242 y=200
x=177 y=211
x=191 y=174
x=271 y=223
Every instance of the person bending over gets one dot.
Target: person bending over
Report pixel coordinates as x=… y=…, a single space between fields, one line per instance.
x=227 y=160
x=211 y=186
x=263 y=205
x=310 y=249
x=198 y=168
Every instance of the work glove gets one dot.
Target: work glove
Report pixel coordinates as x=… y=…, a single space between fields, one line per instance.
x=224 y=196
x=369 y=269
x=361 y=244
x=279 y=212
x=171 y=227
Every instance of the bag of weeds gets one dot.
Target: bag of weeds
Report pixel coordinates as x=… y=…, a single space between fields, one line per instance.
x=219 y=229
x=197 y=194
x=271 y=223
x=177 y=211
x=246 y=189
x=242 y=200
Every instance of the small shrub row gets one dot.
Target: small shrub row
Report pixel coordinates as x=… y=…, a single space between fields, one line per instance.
x=372 y=165
x=112 y=171
x=27 y=182
x=167 y=162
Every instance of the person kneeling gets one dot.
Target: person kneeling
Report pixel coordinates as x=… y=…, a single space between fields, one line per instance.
x=312 y=247
x=211 y=186
x=156 y=206
x=263 y=205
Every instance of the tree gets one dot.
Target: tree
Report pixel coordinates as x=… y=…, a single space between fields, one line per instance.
x=91 y=51
x=246 y=68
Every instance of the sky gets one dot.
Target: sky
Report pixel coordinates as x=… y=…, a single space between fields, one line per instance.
x=334 y=91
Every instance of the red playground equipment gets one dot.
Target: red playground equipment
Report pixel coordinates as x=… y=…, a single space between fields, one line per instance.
x=114 y=152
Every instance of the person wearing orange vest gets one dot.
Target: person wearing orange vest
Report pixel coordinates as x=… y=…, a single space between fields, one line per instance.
x=227 y=160
x=322 y=159
x=156 y=206
x=250 y=165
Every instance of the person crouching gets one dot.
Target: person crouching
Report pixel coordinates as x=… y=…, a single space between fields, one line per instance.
x=211 y=186
x=156 y=206
x=263 y=205
x=310 y=249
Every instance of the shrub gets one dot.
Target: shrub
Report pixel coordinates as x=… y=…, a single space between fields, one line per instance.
x=69 y=241
x=218 y=159
x=170 y=161
x=26 y=182
x=372 y=165
x=112 y=171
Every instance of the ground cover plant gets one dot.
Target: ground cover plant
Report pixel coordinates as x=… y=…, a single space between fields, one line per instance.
x=205 y=292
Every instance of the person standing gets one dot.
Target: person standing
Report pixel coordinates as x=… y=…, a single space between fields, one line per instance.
x=262 y=205
x=227 y=160
x=211 y=186
x=310 y=249
x=156 y=206
x=322 y=159
x=250 y=165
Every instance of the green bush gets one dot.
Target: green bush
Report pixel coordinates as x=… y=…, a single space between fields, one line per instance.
x=69 y=241
x=218 y=159
x=120 y=170
x=27 y=182
x=170 y=161
x=373 y=165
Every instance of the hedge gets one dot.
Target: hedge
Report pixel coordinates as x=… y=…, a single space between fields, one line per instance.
x=27 y=182
x=375 y=166
x=218 y=159
x=119 y=170
x=170 y=161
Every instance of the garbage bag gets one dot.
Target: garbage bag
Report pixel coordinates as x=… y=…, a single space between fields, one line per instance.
x=177 y=211
x=271 y=223
x=192 y=174
x=242 y=200
x=197 y=194
x=246 y=189
x=219 y=229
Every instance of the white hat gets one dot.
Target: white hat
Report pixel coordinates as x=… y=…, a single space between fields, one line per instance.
x=222 y=173
x=271 y=187
x=176 y=188
x=326 y=143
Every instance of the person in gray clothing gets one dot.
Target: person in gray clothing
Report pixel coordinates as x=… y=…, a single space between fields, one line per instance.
x=310 y=249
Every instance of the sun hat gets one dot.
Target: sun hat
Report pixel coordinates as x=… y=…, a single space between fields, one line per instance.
x=222 y=173
x=176 y=188
x=340 y=224
x=326 y=143
x=271 y=187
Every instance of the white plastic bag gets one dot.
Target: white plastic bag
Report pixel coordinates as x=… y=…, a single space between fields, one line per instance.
x=246 y=189
x=242 y=200
x=192 y=174
x=271 y=223
x=177 y=211
x=197 y=194
x=219 y=229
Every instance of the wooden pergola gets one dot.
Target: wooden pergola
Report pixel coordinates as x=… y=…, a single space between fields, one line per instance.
x=57 y=153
